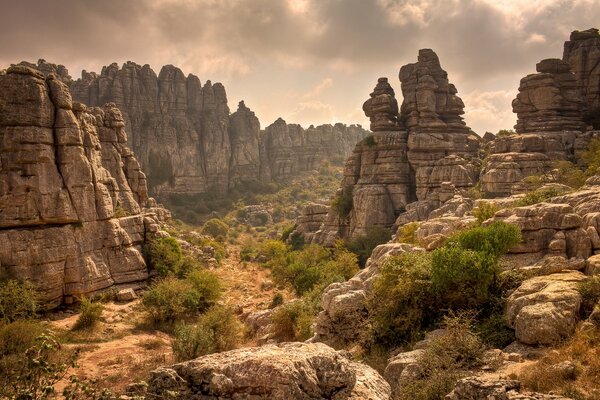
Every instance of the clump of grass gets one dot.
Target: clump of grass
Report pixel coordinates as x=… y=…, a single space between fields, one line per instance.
x=90 y=314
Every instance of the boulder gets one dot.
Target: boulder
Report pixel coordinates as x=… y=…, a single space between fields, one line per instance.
x=285 y=371
x=544 y=309
x=473 y=388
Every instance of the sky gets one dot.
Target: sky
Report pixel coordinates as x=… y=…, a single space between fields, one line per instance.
x=307 y=61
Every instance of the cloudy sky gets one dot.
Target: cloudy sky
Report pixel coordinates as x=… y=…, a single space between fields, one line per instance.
x=308 y=61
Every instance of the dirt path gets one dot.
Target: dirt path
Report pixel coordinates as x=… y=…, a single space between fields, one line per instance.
x=118 y=352
x=247 y=284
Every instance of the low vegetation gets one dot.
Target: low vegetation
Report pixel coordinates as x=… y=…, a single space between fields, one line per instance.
x=416 y=290
x=407 y=233
x=89 y=314
x=363 y=245
x=343 y=202
x=18 y=300
x=218 y=329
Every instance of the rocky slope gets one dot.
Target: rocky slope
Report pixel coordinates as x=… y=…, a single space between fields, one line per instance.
x=187 y=141
x=70 y=185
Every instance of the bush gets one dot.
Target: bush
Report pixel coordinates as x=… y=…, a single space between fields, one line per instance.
x=272 y=249
x=400 y=305
x=292 y=322
x=171 y=299
x=567 y=173
x=538 y=196
x=495 y=239
x=408 y=233
x=163 y=254
x=363 y=246
x=277 y=300
x=90 y=313
x=18 y=300
x=447 y=359
x=215 y=228
x=485 y=211
x=590 y=294
x=207 y=286
x=215 y=331
x=343 y=202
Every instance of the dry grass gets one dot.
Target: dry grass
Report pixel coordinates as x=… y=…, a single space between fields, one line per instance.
x=583 y=350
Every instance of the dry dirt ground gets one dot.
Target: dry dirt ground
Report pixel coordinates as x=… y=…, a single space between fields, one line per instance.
x=120 y=350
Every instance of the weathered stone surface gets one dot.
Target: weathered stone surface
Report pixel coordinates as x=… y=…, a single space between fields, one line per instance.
x=550 y=100
x=312 y=216
x=382 y=108
x=282 y=372
x=544 y=309
x=66 y=181
x=187 y=142
x=473 y=388
x=582 y=53
x=402 y=368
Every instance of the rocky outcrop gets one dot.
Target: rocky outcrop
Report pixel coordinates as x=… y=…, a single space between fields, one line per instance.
x=288 y=149
x=582 y=52
x=549 y=101
x=440 y=144
x=474 y=388
x=312 y=216
x=278 y=372
x=554 y=108
x=69 y=184
x=544 y=309
x=185 y=139
x=431 y=161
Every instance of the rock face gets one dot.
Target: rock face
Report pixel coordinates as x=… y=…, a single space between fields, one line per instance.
x=282 y=372
x=552 y=107
x=550 y=100
x=544 y=309
x=582 y=52
x=473 y=388
x=429 y=160
x=288 y=149
x=187 y=141
x=69 y=184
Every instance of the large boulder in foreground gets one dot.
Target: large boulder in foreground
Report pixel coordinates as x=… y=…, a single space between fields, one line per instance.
x=286 y=371
x=544 y=309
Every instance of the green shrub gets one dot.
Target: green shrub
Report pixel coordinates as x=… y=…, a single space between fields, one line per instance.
x=485 y=211
x=163 y=254
x=207 y=285
x=495 y=239
x=18 y=300
x=343 y=202
x=90 y=313
x=15 y=338
x=590 y=294
x=272 y=249
x=447 y=359
x=216 y=330
x=567 y=173
x=505 y=132
x=292 y=322
x=215 y=228
x=494 y=332
x=407 y=233
x=171 y=299
x=400 y=304
x=249 y=251
x=363 y=246
x=286 y=232
x=538 y=196
x=277 y=300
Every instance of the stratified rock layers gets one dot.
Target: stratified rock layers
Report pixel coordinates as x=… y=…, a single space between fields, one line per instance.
x=65 y=175
x=187 y=141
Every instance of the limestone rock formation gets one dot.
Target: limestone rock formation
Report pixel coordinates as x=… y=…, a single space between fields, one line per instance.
x=312 y=216
x=382 y=108
x=582 y=52
x=244 y=133
x=282 y=372
x=550 y=100
x=188 y=143
x=474 y=388
x=554 y=107
x=288 y=149
x=390 y=170
x=67 y=179
x=544 y=309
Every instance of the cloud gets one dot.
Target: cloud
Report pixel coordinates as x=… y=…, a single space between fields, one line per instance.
x=262 y=49
x=492 y=109
x=318 y=89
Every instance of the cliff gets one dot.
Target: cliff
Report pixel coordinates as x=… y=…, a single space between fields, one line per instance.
x=67 y=178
